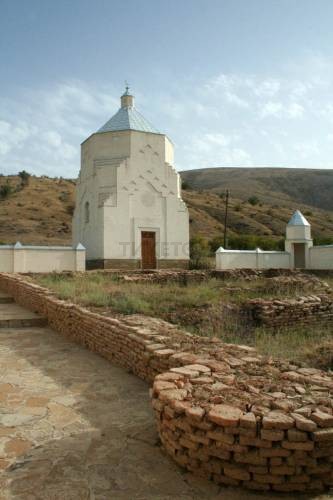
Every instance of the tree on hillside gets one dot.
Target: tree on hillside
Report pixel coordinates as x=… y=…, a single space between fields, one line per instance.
x=25 y=177
x=253 y=200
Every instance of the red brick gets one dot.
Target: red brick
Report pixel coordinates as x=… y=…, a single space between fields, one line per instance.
x=225 y=415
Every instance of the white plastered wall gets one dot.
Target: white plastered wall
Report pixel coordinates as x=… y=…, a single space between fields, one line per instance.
x=318 y=257
x=24 y=259
x=321 y=257
x=251 y=259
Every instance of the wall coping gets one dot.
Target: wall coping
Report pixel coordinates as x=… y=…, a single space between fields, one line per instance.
x=257 y=250
x=320 y=246
x=19 y=246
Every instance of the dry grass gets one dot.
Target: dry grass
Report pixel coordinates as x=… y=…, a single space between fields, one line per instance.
x=210 y=308
x=298 y=343
x=106 y=290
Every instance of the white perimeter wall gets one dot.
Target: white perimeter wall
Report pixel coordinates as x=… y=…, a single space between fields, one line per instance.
x=321 y=257
x=6 y=259
x=24 y=259
x=251 y=259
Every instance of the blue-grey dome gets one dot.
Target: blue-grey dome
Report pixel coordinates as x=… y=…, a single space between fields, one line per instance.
x=128 y=118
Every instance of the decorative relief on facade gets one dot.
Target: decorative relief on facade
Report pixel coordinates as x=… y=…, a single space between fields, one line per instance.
x=108 y=198
x=109 y=162
x=148 y=199
x=181 y=206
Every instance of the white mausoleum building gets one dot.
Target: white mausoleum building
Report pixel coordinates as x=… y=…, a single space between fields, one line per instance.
x=129 y=211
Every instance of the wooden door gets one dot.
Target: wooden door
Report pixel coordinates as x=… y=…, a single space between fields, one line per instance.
x=299 y=255
x=148 y=250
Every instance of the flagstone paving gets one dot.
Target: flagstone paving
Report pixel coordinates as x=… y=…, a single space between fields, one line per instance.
x=75 y=427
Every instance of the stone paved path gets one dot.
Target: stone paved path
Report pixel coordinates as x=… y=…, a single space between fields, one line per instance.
x=75 y=427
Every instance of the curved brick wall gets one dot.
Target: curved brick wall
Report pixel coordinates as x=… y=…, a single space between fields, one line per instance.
x=254 y=424
x=222 y=411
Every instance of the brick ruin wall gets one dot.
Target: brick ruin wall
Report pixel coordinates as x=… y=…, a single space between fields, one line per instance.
x=278 y=313
x=222 y=411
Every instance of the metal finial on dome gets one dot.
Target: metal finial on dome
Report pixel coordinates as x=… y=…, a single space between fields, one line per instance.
x=127 y=99
x=127 y=87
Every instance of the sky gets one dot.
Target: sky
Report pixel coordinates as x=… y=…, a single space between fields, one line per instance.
x=233 y=83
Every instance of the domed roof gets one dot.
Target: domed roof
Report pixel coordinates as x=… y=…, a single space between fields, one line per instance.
x=128 y=118
x=298 y=219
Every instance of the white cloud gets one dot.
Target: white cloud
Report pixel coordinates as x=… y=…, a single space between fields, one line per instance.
x=215 y=149
x=295 y=110
x=271 y=108
x=42 y=130
x=307 y=149
x=236 y=100
x=266 y=88
x=279 y=110
x=13 y=136
x=227 y=120
x=52 y=138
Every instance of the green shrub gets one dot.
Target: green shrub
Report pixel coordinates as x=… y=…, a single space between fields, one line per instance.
x=321 y=240
x=251 y=242
x=200 y=253
x=5 y=190
x=216 y=243
x=253 y=200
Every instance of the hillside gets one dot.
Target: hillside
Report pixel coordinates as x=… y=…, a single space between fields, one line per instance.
x=311 y=187
x=278 y=191
x=40 y=212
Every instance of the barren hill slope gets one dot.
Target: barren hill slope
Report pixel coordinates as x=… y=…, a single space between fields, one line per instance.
x=312 y=187
x=279 y=191
x=41 y=211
